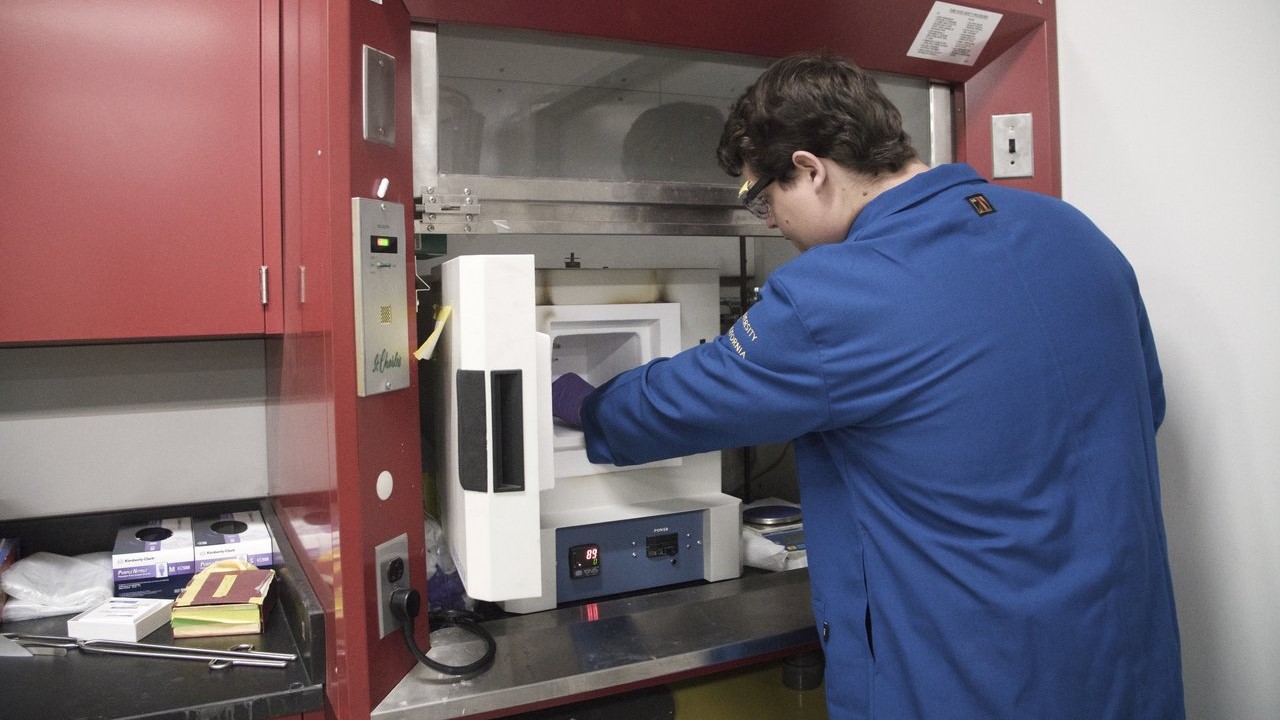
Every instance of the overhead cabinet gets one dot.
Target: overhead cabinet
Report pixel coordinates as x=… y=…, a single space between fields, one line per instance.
x=141 y=181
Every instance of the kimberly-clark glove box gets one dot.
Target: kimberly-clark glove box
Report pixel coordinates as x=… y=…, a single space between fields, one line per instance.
x=233 y=536
x=153 y=559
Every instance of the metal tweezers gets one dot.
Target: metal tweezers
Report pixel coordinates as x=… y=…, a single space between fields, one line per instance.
x=218 y=659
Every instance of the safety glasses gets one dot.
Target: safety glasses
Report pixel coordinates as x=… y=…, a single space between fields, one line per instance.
x=749 y=196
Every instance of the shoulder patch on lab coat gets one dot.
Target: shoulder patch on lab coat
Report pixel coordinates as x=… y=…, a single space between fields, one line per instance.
x=981 y=204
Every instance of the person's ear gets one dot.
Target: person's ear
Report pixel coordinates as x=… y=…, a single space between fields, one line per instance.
x=809 y=166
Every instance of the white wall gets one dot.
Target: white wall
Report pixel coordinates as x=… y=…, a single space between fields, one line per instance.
x=106 y=427
x=1170 y=143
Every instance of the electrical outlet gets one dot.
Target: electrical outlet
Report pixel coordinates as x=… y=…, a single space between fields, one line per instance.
x=1011 y=154
x=391 y=559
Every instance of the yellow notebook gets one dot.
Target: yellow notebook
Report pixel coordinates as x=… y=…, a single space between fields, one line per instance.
x=227 y=598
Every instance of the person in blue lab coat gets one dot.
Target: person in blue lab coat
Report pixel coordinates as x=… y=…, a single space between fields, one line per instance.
x=969 y=376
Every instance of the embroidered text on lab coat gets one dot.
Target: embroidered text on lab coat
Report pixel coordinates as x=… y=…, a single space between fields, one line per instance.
x=749 y=331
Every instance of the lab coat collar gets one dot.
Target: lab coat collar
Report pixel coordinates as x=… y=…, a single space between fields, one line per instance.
x=916 y=190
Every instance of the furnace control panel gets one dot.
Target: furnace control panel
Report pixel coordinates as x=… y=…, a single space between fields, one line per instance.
x=381 y=296
x=627 y=555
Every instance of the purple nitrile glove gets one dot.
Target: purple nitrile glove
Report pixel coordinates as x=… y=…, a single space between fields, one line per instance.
x=567 y=393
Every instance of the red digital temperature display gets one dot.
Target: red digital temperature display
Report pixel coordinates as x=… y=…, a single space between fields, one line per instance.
x=584 y=561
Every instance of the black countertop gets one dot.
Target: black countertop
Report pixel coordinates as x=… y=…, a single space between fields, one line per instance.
x=98 y=686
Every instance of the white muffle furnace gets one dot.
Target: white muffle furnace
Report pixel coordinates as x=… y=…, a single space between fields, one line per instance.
x=530 y=521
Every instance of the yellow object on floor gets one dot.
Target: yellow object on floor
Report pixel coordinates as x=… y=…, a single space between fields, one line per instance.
x=752 y=692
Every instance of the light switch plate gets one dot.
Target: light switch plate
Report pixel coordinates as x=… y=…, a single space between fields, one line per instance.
x=379 y=97
x=1011 y=149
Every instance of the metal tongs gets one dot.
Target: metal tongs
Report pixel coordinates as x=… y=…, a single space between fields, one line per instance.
x=243 y=654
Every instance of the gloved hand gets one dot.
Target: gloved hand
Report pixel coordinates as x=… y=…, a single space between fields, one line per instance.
x=567 y=393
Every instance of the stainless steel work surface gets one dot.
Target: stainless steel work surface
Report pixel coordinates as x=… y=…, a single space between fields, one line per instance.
x=586 y=650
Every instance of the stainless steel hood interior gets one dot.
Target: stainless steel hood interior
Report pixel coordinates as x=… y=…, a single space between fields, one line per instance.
x=530 y=133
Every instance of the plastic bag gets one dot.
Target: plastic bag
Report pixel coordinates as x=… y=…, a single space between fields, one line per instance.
x=444 y=585
x=44 y=584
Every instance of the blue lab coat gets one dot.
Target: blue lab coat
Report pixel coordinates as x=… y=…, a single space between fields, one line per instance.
x=973 y=391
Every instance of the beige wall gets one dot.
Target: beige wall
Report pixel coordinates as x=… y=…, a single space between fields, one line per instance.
x=105 y=427
x=1169 y=143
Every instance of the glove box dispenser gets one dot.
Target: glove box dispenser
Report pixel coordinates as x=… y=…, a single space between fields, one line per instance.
x=569 y=530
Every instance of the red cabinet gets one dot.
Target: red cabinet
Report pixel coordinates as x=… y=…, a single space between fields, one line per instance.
x=139 y=169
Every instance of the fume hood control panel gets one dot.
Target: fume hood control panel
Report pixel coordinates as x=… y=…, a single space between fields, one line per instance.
x=381 y=296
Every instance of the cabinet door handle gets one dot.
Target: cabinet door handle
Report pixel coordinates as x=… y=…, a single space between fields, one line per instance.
x=262 y=283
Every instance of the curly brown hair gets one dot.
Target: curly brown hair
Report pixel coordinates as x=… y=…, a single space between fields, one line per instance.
x=818 y=102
